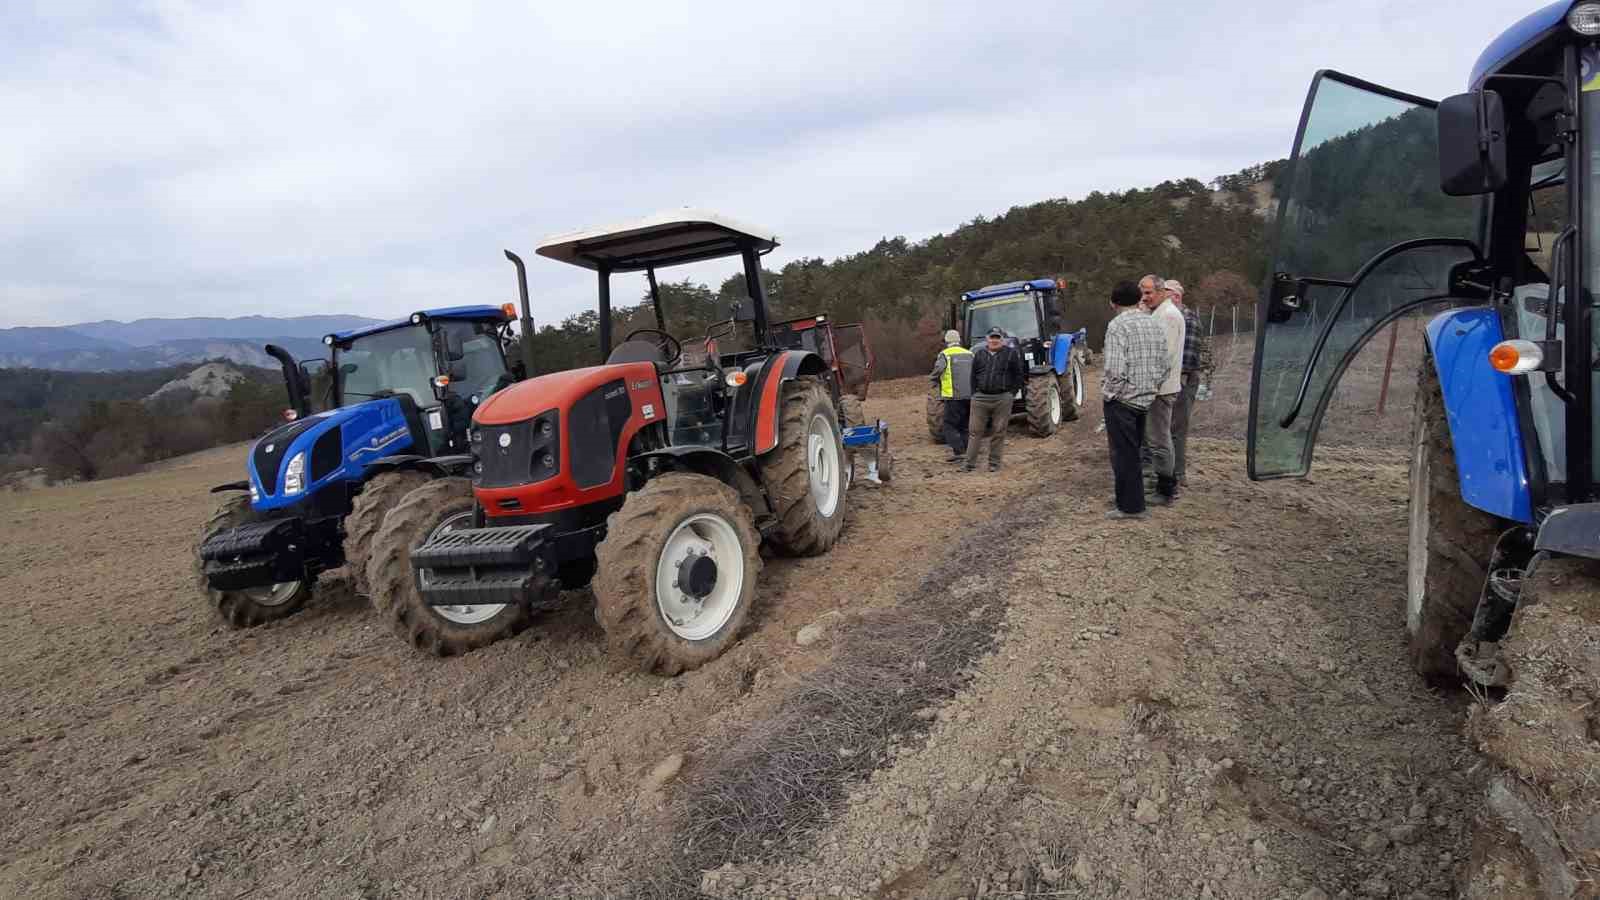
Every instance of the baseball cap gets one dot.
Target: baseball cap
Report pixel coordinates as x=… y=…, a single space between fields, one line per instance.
x=952 y=336
x=1175 y=286
x=996 y=332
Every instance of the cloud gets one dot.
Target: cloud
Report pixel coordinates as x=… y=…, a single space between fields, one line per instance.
x=168 y=159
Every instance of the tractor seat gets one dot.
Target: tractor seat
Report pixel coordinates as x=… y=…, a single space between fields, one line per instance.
x=638 y=351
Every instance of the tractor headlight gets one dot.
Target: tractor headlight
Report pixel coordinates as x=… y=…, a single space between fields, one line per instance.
x=1585 y=19
x=294 y=478
x=255 y=495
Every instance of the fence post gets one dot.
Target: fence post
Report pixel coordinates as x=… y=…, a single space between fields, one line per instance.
x=1236 y=318
x=1388 y=364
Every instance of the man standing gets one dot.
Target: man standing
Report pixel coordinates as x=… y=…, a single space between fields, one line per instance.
x=1134 y=364
x=997 y=375
x=1158 y=424
x=1196 y=360
x=952 y=374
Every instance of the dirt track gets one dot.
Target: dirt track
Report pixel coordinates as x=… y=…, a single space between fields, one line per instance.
x=1213 y=703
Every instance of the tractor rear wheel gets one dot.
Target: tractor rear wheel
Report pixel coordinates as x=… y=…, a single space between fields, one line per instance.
x=1043 y=398
x=805 y=474
x=249 y=607
x=677 y=572
x=380 y=494
x=936 y=418
x=1070 y=385
x=437 y=507
x=1450 y=542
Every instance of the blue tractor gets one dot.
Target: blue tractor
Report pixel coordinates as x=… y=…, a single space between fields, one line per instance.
x=1472 y=216
x=386 y=412
x=1029 y=312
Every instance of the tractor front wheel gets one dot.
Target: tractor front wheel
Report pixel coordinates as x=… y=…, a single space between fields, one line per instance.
x=1043 y=398
x=437 y=507
x=380 y=494
x=1450 y=542
x=1070 y=387
x=805 y=474
x=249 y=607
x=677 y=572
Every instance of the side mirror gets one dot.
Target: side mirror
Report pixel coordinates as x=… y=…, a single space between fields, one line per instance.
x=348 y=369
x=1472 y=144
x=453 y=350
x=740 y=311
x=1285 y=298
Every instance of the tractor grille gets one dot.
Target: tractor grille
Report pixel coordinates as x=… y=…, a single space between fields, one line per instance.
x=270 y=450
x=517 y=454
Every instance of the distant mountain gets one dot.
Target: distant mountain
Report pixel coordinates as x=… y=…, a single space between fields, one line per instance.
x=149 y=332
x=110 y=346
x=209 y=380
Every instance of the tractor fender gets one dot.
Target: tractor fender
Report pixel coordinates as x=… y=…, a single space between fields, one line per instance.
x=1061 y=349
x=718 y=465
x=1481 y=408
x=756 y=406
x=437 y=466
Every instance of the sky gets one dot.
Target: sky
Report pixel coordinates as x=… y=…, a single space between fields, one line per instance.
x=283 y=158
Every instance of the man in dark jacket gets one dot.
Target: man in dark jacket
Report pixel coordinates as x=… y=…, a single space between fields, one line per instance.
x=997 y=375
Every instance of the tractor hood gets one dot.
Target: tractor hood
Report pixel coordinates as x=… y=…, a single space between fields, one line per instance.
x=328 y=448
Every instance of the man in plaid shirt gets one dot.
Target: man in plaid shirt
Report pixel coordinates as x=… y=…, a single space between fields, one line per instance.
x=1196 y=360
x=1134 y=365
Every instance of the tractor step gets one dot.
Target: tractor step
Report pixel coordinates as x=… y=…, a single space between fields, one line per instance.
x=486 y=566
x=255 y=555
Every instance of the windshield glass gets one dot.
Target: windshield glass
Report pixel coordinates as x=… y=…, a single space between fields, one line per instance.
x=400 y=360
x=480 y=368
x=1014 y=315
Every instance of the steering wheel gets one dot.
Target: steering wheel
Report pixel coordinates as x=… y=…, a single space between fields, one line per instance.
x=670 y=348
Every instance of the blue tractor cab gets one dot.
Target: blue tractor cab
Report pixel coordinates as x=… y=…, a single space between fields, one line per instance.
x=386 y=411
x=1474 y=217
x=1030 y=314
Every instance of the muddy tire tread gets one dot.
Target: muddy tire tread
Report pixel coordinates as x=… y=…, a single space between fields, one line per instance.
x=380 y=494
x=801 y=530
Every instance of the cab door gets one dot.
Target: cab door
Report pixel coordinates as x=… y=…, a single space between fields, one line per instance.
x=1363 y=236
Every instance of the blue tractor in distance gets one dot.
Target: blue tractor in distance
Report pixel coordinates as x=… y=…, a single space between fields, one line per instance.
x=1473 y=217
x=387 y=411
x=1029 y=312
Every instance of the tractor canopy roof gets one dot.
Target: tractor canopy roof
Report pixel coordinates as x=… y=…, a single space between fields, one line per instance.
x=1009 y=288
x=484 y=313
x=665 y=239
x=1522 y=36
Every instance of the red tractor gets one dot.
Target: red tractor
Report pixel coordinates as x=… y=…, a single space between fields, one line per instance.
x=653 y=477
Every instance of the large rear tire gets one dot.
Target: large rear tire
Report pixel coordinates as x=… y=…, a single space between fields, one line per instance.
x=1043 y=398
x=380 y=494
x=1070 y=386
x=441 y=505
x=677 y=572
x=252 y=606
x=1449 y=544
x=935 y=412
x=805 y=474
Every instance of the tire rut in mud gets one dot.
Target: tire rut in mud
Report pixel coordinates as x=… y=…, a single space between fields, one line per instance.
x=763 y=796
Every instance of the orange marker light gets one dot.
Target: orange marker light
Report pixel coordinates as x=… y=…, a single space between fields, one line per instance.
x=510 y=309
x=290 y=415
x=441 y=381
x=737 y=378
x=1516 y=357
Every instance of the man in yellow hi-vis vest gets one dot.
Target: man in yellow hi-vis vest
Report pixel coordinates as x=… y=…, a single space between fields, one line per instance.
x=952 y=372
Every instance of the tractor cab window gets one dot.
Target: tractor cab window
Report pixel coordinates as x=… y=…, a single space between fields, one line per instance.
x=400 y=361
x=1015 y=315
x=483 y=363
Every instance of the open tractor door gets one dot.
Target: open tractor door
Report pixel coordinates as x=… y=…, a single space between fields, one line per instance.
x=1471 y=217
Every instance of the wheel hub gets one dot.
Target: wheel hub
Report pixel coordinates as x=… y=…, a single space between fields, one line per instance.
x=697 y=575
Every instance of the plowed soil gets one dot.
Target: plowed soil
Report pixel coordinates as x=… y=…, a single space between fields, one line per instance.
x=1210 y=703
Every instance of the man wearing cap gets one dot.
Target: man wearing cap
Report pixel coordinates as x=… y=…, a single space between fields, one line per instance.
x=1158 y=424
x=952 y=376
x=1196 y=360
x=997 y=375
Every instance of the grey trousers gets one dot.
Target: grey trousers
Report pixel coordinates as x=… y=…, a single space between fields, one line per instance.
x=1180 y=425
x=989 y=419
x=1158 y=437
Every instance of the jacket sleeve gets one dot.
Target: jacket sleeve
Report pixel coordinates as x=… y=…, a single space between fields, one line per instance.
x=938 y=368
x=1019 y=372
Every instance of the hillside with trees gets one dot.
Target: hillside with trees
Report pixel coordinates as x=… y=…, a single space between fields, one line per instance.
x=1212 y=237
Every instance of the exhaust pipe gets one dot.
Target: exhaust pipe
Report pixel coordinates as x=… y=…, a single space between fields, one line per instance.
x=527 y=314
x=294 y=380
